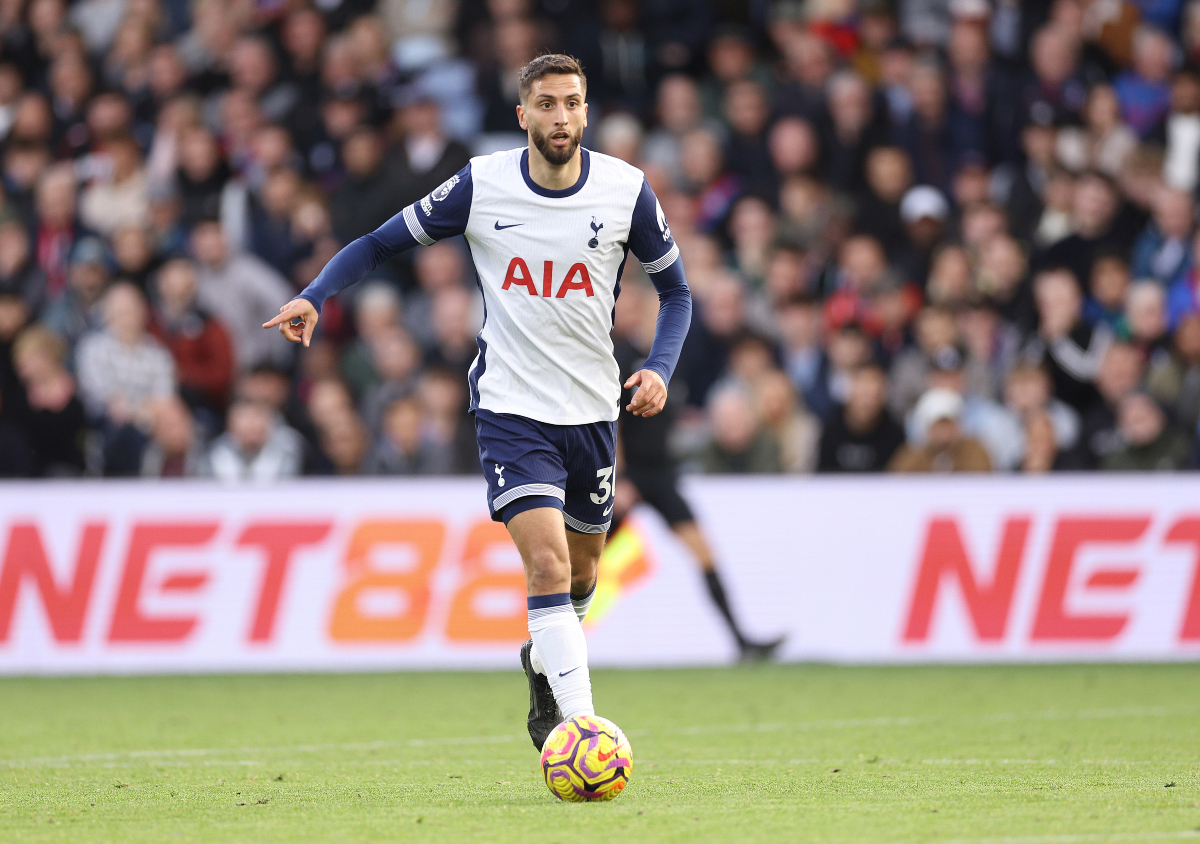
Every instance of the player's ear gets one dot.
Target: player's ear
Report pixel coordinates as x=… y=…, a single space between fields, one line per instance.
x=521 y=116
x=585 y=109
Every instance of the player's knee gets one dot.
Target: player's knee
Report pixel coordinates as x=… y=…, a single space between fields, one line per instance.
x=548 y=569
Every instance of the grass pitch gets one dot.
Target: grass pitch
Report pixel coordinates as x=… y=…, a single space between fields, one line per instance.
x=772 y=753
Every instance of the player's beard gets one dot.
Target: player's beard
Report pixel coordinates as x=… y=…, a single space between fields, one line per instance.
x=555 y=155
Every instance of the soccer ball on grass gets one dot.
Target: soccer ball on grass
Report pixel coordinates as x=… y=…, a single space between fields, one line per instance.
x=586 y=758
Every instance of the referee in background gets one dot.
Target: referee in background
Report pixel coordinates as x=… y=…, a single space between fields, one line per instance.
x=645 y=462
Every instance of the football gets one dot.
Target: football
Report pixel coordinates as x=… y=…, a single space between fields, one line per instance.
x=586 y=758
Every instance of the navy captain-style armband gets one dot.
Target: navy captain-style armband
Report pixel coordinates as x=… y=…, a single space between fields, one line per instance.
x=650 y=240
x=441 y=214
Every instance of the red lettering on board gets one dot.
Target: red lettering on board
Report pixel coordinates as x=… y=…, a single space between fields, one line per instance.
x=26 y=561
x=129 y=622
x=1053 y=622
x=945 y=558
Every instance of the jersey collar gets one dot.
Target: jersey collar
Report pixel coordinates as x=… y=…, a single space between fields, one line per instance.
x=585 y=166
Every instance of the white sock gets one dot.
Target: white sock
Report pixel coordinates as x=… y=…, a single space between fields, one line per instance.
x=581 y=609
x=581 y=604
x=558 y=640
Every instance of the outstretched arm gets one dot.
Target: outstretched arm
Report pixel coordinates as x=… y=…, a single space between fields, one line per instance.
x=442 y=214
x=651 y=241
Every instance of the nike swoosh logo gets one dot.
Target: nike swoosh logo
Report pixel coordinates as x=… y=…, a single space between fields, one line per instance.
x=565 y=673
x=501 y=228
x=606 y=512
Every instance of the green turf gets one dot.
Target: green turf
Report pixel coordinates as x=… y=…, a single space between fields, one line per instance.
x=785 y=753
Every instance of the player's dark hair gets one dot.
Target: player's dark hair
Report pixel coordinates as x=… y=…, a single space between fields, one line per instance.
x=551 y=64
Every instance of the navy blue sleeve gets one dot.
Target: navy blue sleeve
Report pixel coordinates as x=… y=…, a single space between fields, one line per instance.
x=440 y=215
x=651 y=242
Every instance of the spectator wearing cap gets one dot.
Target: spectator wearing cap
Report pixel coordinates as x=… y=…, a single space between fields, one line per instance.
x=78 y=310
x=1163 y=250
x=198 y=343
x=56 y=424
x=994 y=426
x=924 y=212
x=942 y=446
x=1144 y=90
x=1149 y=443
x=861 y=436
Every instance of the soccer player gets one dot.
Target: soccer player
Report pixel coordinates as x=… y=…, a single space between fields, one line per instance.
x=651 y=470
x=549 y=227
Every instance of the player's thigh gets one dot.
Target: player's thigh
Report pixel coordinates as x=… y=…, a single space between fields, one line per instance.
x=590 y=456
x=542 y=542
x=521 y=460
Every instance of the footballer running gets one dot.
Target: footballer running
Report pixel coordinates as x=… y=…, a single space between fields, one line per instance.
x=549 y=227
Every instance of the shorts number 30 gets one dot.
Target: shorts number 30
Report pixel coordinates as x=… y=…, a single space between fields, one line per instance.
x=605 y=476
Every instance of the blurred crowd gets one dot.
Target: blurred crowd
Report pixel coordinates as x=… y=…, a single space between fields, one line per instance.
x=921 y=235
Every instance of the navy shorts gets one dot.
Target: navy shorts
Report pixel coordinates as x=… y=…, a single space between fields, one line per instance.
x=531 y=464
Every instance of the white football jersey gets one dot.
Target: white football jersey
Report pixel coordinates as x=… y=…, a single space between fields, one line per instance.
x=549 y=265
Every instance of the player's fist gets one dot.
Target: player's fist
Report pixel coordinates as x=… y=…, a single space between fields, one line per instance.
x=297 y=320
x=650 y=393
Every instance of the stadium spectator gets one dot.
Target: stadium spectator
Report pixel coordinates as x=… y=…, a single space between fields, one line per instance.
x=1121 y=371
x=78 y=310
x=796 y=430
x=861 y=436
x=198 y=343
x=256 y=446
x=1070 y=349
x=122 y=370
x=19 y=273
x=1144 y=90
x=243 y=292
x=1162 y=251
x=1148 y=442
x=739 y=443
x=56 y=425
x=405 y=446
x=942 y=446
x=175 y=449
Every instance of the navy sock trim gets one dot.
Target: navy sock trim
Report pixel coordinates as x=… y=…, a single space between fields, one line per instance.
x=586 y=594
x=558 y=599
